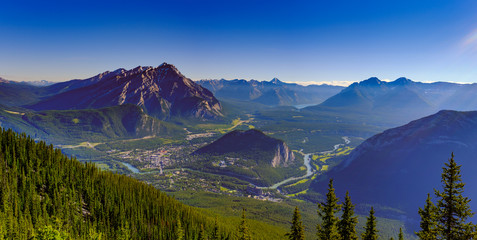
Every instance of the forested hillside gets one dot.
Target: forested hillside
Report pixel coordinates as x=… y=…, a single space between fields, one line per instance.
x=43 y=192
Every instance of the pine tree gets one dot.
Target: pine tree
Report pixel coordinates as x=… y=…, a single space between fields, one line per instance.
x=179 y=232
x=452 y=208
x=202 y=235
x=327 y=210
x=243 y=233
x=428 y=221
x=347 y=224
x=370 y=231
x=297 y=231
x=401 y=235
x=215 y=231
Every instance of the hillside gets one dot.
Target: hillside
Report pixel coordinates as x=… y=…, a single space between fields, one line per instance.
x=398 y=167
x=95 y=125
x=162 y=92
x=42 y=189
x=272 y=93
x=250 y=154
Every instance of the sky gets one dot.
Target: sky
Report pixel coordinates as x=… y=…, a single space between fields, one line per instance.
x=296 y=41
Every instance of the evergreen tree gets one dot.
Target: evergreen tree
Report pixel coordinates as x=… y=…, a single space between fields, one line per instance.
x=215 y=231
x=179 y=232
x=243 y=233
x=452 y=208
x=347 y=224
x=428 y=221
x=297 y=231
x=327 y=210
x=370 y=231
x=202 y=235
x=401 y=235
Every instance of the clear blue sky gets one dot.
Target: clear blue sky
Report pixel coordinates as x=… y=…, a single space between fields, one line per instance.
x=292 y=40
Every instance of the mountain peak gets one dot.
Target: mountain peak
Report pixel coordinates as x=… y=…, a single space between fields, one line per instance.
x=161 y=91
x=373 y=81
x=402 y=81
x=276 y=81
x=166 y=67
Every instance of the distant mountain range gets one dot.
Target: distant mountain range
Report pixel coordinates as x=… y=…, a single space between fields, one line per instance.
x=402 y=100
x=274 y=92
x=398 y=167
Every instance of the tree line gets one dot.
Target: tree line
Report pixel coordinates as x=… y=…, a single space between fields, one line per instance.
x=447 y=220
x=47 y=195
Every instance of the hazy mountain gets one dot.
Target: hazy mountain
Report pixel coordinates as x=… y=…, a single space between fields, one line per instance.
x=39 y=83
x=16 y=93
x=274 y=92
x=162 y=92
x=401 y=100
x=398 y=167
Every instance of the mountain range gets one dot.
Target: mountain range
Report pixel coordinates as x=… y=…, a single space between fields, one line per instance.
x=162 y=92
x=272 y=93
x=401 y=100
x=399 y=166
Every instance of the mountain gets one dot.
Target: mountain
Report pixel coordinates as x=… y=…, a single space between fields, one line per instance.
x=93 y=125
x=250 y=141
x=16 y=93
x=162 y=92
x=401 y=100
x=274 y=92
x=251 y=154
x=39 y=83
x=399 y=166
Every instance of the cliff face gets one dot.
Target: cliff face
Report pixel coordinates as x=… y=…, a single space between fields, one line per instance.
x=283 y=156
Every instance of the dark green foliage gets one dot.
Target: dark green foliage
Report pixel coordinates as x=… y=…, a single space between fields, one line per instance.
x=401 y=236
x=44 y=192
x=243 y=233
x=347 y=224
x=202 y=234
x=428 y=221
x=327 y=210
x=297 y=231
x=179 y=232
x=453 y=209
x=370 y=231
x=215 y=231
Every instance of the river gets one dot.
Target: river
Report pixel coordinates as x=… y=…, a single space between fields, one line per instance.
x=309 y=172
x=306 y=162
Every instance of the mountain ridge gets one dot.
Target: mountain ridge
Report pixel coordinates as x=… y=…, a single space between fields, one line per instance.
x=162 y=92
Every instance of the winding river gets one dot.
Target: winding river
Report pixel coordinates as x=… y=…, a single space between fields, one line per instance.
x=309 y=172
x=306 y=162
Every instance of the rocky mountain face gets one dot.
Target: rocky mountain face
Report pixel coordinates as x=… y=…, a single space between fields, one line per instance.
x=247 y=143
x=274 y=92
x=162 y=92
x=398 y=167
